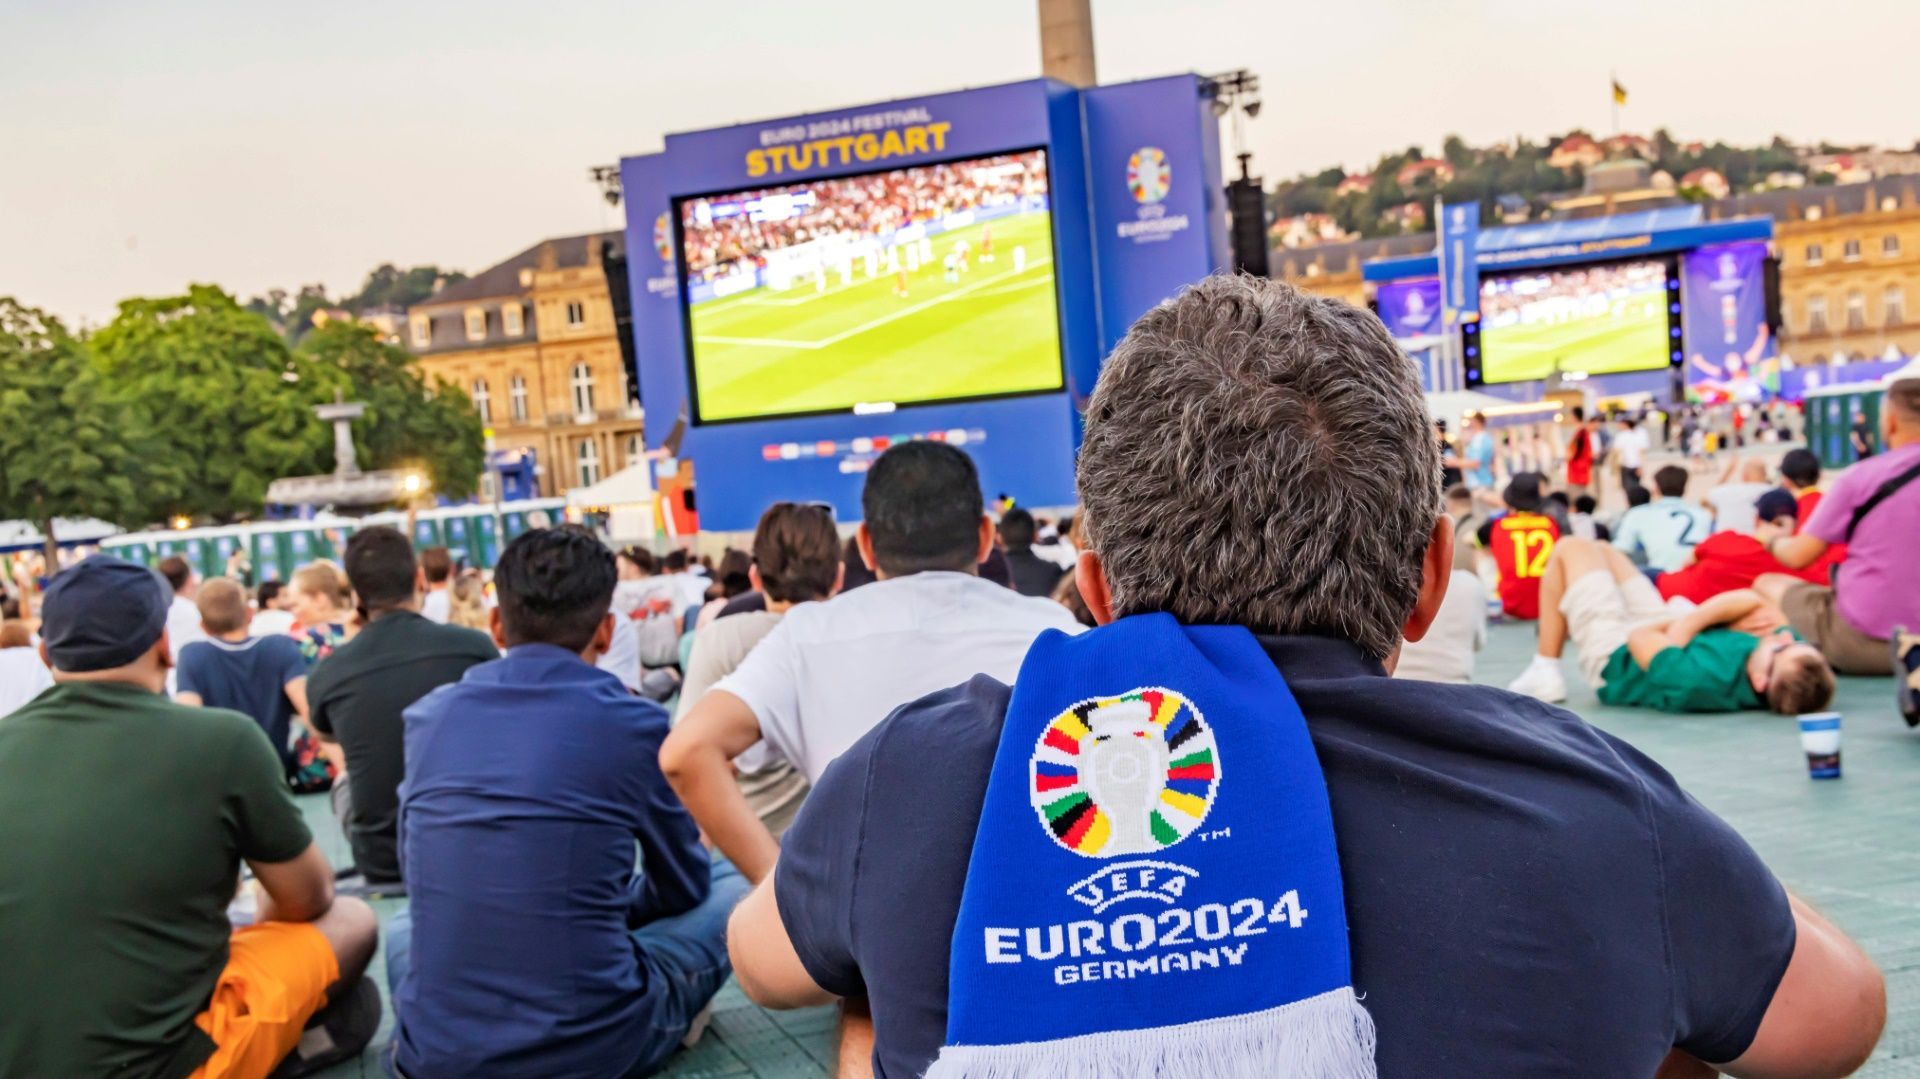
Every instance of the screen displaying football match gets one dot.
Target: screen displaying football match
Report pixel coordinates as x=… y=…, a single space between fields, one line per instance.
x=930 y=283
x=1594 y=320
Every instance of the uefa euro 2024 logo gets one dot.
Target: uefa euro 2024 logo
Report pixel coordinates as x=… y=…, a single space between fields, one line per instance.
x=1148 y=175
x=1132 y=774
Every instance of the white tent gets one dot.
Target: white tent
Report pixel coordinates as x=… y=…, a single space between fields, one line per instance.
x=1454 y=406
x=628 y=498
x=25 y=535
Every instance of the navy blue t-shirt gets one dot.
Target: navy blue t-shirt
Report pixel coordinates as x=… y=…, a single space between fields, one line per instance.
x=247 y=676
x=1526 y=895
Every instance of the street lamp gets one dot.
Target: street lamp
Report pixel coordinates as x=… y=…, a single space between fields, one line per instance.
x=180 y=522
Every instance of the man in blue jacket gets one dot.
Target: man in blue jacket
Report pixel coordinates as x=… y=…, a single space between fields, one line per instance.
x=531 y=947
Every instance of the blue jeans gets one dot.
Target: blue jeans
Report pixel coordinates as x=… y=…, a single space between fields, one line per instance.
x=685 y=956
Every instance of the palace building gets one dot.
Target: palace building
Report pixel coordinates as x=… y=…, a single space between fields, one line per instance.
x=533 y=341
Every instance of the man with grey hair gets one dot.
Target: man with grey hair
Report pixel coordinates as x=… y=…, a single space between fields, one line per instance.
x=1520 y=888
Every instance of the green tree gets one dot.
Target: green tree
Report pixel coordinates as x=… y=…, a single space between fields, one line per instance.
x=299 y=319
x=229 y=403
x=409 y=422
x=390 y=286
x=69 y=447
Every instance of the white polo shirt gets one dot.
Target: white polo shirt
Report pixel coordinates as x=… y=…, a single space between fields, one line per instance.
x=830 y=672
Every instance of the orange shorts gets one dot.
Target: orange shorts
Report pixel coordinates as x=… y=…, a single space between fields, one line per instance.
x=277 y=976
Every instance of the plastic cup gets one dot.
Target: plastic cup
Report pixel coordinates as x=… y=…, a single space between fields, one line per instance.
x=1820 y=741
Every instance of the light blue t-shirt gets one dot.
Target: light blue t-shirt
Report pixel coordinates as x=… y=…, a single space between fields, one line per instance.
x=1665 y=531
x=1479 y=472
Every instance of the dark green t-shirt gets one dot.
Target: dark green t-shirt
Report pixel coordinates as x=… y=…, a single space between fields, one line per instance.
x=1708 y=675
x=123 y=820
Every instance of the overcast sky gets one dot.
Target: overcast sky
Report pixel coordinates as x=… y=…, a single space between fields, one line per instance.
x=146 y=146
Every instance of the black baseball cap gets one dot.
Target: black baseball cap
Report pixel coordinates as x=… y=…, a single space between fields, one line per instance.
x=103 y=613
x=1776 y=504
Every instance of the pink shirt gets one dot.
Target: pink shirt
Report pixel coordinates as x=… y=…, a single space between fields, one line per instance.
x=1878 y=587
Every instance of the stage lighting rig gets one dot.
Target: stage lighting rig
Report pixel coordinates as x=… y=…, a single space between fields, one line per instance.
x=608 y=177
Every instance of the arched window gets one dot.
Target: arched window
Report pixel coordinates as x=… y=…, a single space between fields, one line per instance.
x=482 y=400
x=517 y=399
x=588 y=454
x=582 y=390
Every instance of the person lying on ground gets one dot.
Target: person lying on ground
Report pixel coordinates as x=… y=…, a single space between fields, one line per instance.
x=1728 y=561
x=1729 y=654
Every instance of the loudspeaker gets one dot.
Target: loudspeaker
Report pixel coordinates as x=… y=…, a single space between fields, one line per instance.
x=1247 y=205
x=614 y=265
x=1770 y=276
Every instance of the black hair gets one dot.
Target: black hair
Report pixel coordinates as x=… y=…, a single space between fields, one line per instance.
x=1016 y=529
x=674 y=562
x=1672 y=481
x=643 y=559
x=555 y=587
x=1579 y=414
x=923 y=507
x=1585 y=504
x=267 y=593
x=176 y=570
x=1560 y=497
x=380 y=567
x=1801 y=466
x=1638 y=495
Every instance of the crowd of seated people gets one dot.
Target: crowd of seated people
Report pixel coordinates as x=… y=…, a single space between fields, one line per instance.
x=818 y=762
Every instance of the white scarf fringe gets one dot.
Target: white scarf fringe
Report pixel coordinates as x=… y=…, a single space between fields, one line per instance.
x=1329 y=1036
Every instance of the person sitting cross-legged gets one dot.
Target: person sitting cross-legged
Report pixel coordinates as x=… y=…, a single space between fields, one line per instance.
x=1520 y=541
x=530 y=946
x=1212 y=837
x=1664 y=531
x=357 y=694
x=263 y=678
x=1733 y=652
x=125 y=819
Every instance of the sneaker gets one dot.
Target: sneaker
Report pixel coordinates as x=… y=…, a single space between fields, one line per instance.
x=1542 y=683
x=337 y=1033
x=1906 y=673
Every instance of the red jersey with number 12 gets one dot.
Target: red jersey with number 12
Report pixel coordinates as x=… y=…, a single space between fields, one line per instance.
x=1521 y=543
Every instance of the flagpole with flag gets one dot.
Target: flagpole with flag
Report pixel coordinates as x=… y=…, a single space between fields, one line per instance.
x=1619 y=99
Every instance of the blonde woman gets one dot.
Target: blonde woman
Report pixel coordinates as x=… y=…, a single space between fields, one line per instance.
x=322 y=607
x=467 y=602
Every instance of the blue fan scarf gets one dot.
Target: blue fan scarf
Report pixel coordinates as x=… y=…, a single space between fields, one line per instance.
x=1154 y=888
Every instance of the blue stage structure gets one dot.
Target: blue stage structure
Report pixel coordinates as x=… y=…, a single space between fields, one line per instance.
x=1137 y=211
x=1719 y=331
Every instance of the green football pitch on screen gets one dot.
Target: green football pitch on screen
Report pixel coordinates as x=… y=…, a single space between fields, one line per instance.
x=1575 y=326
x=830 y=343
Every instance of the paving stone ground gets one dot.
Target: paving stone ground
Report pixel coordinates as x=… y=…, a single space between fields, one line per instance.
x=1842 y=845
